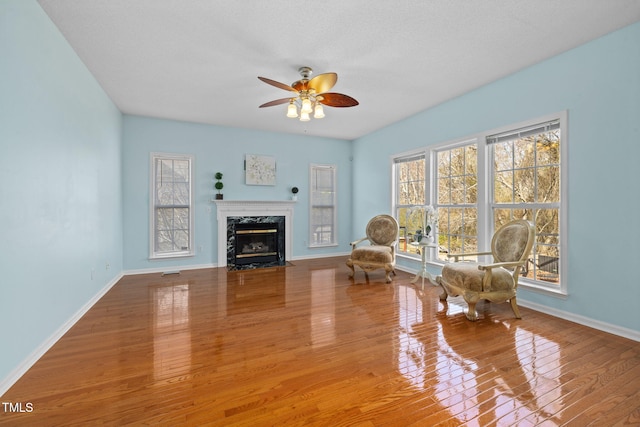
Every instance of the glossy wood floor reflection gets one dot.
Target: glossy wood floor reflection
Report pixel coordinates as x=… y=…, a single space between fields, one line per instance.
x=304 y=345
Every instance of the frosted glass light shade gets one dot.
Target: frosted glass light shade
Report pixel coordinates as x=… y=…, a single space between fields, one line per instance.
x=292 y=110
x=306 y=106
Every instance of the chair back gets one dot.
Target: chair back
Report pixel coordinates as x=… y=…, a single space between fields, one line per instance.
x=513 y=241
x=383 y=230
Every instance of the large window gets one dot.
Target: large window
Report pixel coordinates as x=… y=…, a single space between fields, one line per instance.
x=481 y=183
x=526 y=185
x=171 y=206
x=322 y=222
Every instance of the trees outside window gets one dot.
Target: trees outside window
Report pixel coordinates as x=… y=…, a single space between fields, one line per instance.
x=409 y=186
x=457 y=199
x=526 y=185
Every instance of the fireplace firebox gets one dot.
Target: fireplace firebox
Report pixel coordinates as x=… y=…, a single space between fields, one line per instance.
x=255 y=242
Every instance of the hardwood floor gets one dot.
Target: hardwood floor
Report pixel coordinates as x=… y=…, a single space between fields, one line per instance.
x=304 y=345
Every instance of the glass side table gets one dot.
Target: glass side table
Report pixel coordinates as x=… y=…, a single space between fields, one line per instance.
x=423 y=247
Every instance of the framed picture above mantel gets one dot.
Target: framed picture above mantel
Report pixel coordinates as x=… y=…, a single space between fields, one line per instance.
x=259 y=169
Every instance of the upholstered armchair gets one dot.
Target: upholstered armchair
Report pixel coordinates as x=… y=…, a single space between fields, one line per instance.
x=496 y=281
x=382 y=234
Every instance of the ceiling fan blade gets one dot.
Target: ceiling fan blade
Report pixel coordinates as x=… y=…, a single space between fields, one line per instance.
x=277 y=84
x=323 y=82
x=276 y=102
x=333 y=99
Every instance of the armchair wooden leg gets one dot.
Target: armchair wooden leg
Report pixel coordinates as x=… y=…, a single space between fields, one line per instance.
x=350 y=265
x=472 y=300
x=472 y=314
x=388 y=270
x=444 y=294
x=514 y=307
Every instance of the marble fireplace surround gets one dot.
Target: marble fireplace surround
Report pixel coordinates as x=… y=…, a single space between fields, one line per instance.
x=227 y=208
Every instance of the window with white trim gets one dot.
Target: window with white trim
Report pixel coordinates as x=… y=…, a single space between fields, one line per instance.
x=171 y=205
x=322 y=212
x=479 y=184
x=526 y=185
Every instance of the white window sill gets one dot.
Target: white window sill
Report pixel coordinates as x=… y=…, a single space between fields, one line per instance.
x=171 y=256
x=328 y=245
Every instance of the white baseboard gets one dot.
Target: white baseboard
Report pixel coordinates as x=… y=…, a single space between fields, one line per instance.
x=27 y=363
x=314 y=256
x=168 y=269
x=582 y=320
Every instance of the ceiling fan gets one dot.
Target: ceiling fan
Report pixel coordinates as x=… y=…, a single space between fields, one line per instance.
x=310 y=95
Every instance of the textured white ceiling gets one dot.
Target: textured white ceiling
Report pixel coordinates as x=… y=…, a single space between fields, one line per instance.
x=198 y=60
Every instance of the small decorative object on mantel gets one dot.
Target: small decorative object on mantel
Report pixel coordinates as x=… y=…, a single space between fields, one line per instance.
x=294 y=190
x=219 y=185
x=428 y=221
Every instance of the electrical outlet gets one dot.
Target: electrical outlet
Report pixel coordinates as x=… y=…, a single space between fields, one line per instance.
x=107 y=266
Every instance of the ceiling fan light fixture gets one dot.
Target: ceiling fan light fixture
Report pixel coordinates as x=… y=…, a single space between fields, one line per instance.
x=292 y=110
x=306 y=105
x=311 y=95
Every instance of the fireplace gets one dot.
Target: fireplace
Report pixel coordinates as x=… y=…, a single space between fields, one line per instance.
x=235 y=215
x=255 y=242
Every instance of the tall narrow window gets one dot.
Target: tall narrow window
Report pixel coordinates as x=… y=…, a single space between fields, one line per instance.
x=457 y=199
x=322 y=221
x=171 y=206
x=526 y=185
x=409 y=185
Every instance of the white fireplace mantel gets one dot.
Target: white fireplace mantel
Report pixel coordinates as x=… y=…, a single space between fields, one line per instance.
x=227 y=208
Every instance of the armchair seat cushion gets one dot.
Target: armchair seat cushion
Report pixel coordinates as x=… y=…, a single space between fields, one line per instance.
x=372 y=254
x=465 y=275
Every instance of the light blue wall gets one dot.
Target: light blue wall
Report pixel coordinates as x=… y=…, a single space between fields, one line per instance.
x=599 y=84
x=60 y=182
x=222 y=149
